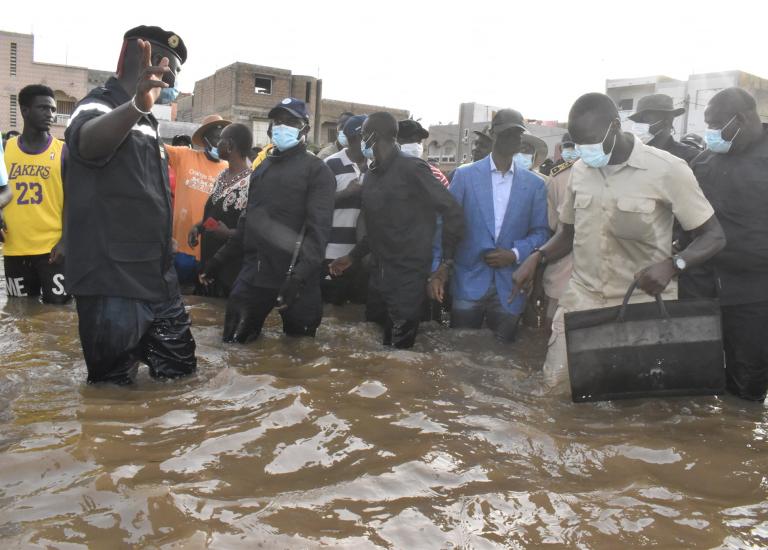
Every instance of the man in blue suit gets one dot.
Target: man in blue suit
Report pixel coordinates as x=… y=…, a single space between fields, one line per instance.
x=505 y=211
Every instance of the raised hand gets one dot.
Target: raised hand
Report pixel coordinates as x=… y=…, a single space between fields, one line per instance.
x=150 y=81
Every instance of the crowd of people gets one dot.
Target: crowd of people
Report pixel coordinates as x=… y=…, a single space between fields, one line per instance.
x=123 y=222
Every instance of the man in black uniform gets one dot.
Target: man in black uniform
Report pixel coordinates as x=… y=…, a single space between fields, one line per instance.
x=118 y=210
x=653 y=125
x=733 y=175
x=400 y=203
x=288 y=220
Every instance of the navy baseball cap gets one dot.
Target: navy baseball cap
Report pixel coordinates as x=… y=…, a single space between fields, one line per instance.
x=293 y=106
x=354 y=125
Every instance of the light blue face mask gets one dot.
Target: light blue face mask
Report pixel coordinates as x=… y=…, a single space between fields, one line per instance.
x=570 y=154
x=167 y=96
x=212 y=151
x=715 y=141
x=593 y=154
x=523 y=159
x=285 y=137
x=366 y=149
x=342 y=139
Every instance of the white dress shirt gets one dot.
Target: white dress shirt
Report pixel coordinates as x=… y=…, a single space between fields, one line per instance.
x=501 y=184
x=502 y=187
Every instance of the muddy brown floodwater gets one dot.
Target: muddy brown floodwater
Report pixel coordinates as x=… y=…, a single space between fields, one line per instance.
x=337 y=442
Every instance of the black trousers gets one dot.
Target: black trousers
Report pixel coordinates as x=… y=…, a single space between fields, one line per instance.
x=248 y=307
x=398 y=306
x=745 y=339
x=116 y=333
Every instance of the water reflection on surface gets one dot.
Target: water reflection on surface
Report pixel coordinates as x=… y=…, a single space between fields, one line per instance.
x=337 y=442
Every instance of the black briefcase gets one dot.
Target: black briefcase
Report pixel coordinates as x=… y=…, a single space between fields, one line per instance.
x=645 y=350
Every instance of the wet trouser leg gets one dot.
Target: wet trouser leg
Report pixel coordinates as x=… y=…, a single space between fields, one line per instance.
x=247 y=308
x=405 y=300
x=400 y=333
x=745 y=339
x=168 y=347
x=375 y=306
x=471 y=313
x=305 y=314
x=117 y=332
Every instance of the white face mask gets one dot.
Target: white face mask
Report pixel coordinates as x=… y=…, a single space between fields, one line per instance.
x=412 y=149
x=643 y=131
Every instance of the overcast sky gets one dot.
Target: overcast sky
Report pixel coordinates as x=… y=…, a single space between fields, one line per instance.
x=426 y=56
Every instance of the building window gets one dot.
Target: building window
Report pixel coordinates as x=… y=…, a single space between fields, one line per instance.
x=332 y=135
x=260 y=136
x=626 y=104
x=449 y=152
x=14 y=107
x=433 y=152
x=14 y=56
x=262 y=85
x=308 y=94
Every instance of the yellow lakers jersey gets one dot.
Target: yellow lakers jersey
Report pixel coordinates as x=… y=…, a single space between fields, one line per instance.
x=34 y=215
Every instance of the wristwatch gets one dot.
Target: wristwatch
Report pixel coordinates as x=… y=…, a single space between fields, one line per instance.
x=679 y=263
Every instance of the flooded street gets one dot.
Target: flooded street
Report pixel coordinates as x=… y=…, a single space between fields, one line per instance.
x=339 y=443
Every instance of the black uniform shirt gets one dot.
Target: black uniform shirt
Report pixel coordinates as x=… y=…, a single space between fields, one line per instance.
x=680 y=150
x=401 y=201
x=118 y=209
x=737 y=187
x=288 y=191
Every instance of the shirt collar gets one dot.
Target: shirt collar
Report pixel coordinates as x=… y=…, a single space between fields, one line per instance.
x=638 y=156
x=494 y=169
x=119 y=93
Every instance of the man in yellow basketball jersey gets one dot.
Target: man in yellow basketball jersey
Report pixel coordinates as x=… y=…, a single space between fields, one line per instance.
x=34 y=263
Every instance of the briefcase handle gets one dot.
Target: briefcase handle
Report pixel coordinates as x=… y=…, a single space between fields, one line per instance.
x=623 y=311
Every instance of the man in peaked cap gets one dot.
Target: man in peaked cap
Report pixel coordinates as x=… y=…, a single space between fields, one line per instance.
x=282 y=235
x=118 y=208
x=653 y=122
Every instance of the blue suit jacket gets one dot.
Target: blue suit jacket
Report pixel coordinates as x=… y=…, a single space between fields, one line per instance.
x=525 y=227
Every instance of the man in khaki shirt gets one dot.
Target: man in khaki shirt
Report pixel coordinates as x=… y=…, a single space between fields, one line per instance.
x=557 y=274
x=616 y=217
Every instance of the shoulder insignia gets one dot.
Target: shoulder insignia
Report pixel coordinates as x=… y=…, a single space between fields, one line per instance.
x=561 y=168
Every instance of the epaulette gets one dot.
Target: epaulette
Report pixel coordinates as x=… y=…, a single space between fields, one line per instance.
x=560 y=168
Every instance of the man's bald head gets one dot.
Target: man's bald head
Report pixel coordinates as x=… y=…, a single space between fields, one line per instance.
x=734 y=111
x=380 y=133
x=738 y=100
x=382 y=124
x=590 y=117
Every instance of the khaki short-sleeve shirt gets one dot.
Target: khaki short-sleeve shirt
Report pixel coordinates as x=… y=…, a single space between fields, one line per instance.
x=622 y=217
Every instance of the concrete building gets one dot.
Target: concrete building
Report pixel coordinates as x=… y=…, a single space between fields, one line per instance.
x=245 y=93
x=693 y=94
x=18 y=69
x=450 y=145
